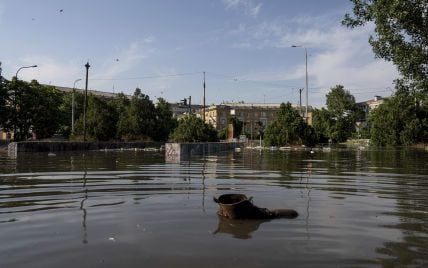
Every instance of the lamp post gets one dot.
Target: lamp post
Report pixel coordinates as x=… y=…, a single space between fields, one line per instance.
x=14 y=98
x=72 y=104
x=306 y=63
x=24 y=67
x=204 y=99
x=85 y=104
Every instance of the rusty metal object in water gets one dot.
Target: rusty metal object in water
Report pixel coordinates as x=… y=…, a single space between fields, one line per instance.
x=238 y=206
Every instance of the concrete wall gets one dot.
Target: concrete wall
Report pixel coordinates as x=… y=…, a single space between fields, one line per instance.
x=181 y=151
x=4 y=142
x=59 y=146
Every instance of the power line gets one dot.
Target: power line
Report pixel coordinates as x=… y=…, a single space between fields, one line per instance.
x=146 y=77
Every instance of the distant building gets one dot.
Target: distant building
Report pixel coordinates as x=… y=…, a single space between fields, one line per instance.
x=180 y=109
x=369 y=105
x=252 y=114
x=94 y=92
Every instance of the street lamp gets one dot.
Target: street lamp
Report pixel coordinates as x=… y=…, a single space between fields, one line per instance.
x=306 y=62
x=204 y=100
x=24 y=67
x=72 y=104
x=85 y=104
x=14 y=97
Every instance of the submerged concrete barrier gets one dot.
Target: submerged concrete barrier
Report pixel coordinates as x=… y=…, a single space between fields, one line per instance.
x=59 y=146
x=181 y=151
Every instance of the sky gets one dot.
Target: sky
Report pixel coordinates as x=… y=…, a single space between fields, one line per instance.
x=163 y=47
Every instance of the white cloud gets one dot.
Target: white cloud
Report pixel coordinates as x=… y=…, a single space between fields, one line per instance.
x=126 y=60
x=249 y=6
x=55 y=71
x=49 y=70
x=336 y=55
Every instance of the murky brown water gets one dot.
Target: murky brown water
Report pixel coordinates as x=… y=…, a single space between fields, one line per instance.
x=131 y=209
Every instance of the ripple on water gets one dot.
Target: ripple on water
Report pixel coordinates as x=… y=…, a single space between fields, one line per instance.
x=132 y=208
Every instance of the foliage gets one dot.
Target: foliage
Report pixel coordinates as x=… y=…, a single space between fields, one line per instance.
x=45 y=109
x=340 y=101
x=33 y=109
x=121 y=104
x=140 y=120
x=322 y=121
x=401 y=34
x=400 y=120
x=165 y=123
x=288 y=128
x=66 y=110
x=222 y=134
x=193 y=129
x=338 y=121
x=101 y=119
x=237 y=126
x=4 y=99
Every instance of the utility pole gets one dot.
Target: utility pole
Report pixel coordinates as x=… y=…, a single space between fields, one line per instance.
x=190 y=105
x=85 y=104
x=204 y=100
x=306 y=78
x=72 y=104
x=306 y=61
x=300 y=101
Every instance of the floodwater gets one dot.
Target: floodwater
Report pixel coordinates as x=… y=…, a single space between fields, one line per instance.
x=132 y=209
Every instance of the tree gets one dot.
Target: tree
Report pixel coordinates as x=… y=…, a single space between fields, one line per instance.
x=121 y=104
x=322 y=121
x=164 y=121
x=47 y=117
x=34 y=109
x=101 y=119
x=237 y=125
x=340 y=101
x=66 y=110
x=401 y=34
x=399 y=121
x=343 y=112
x=193 y=129
x=288 y=128
x=4 y=99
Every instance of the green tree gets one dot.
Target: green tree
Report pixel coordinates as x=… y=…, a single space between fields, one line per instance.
x=399 y=121
x=4 y=99
x=288 y=128
x=165 y=124
x=237 y=125
x=34 y=109
x=322 y=122
x=193 y=129
x=66 y=110
x=140 y=120
x=47 y=117
x=121 y=104
x=344 y=114
x=401 y=34
x=101 y=119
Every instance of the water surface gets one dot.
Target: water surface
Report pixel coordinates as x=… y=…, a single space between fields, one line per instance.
x=132 y=209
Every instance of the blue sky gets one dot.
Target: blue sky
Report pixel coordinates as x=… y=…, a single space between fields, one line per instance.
x=164 y=46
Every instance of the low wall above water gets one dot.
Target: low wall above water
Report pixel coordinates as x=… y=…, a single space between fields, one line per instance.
x=181 y=151
x=59 y=146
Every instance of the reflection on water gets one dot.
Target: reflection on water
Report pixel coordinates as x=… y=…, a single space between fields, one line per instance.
x=125 y=209
x=241 y=229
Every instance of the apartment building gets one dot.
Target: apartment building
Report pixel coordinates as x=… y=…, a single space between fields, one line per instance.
x=252 y=114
